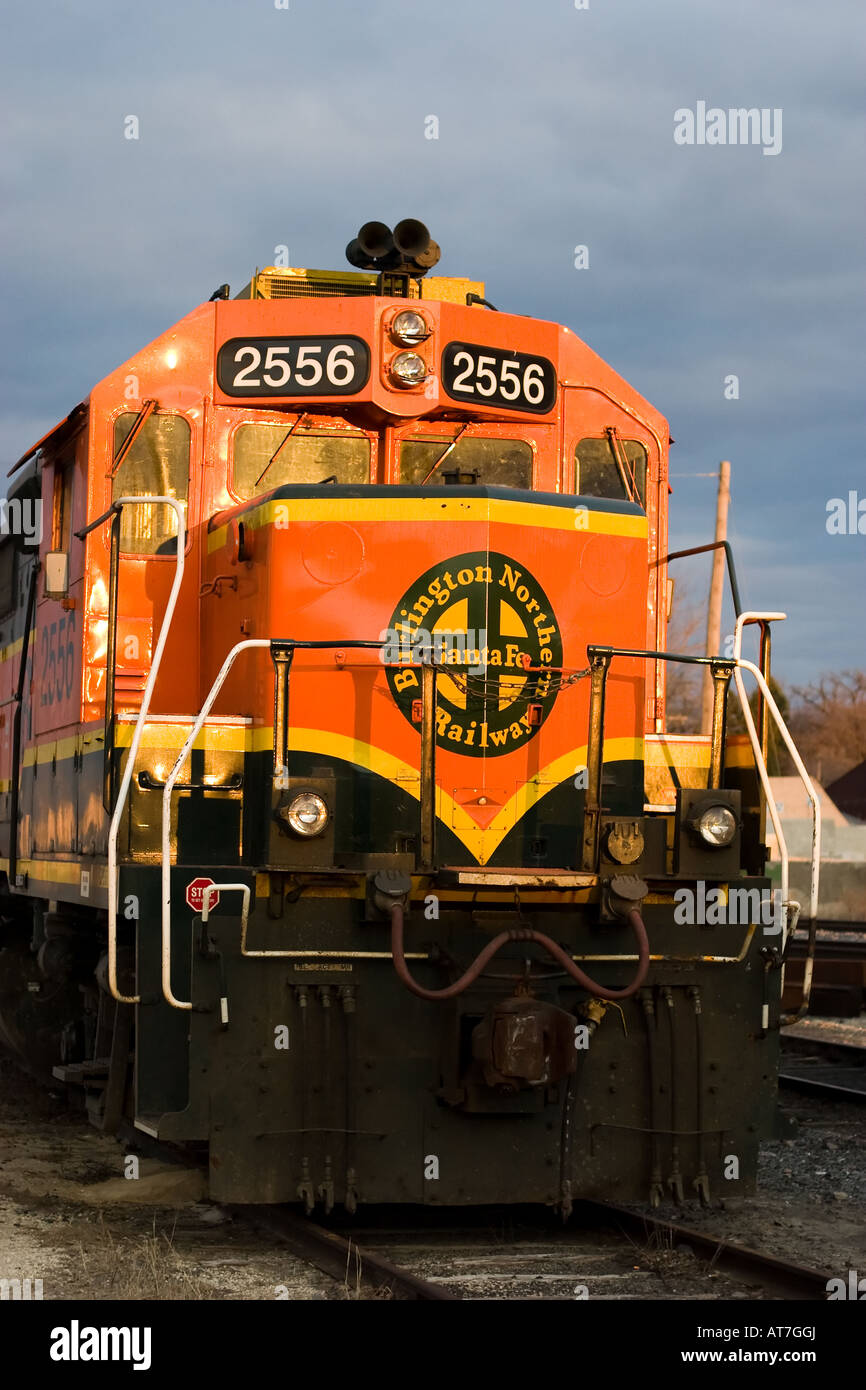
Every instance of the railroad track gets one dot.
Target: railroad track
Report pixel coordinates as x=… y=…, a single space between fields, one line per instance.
x=826 y=1087
x=823 y=1066
x=819 y=1072
x=605 y=1251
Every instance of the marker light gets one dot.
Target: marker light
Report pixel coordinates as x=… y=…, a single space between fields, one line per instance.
x=409 y=328
x=717 y=826
x=408 y=369
x=307 y=814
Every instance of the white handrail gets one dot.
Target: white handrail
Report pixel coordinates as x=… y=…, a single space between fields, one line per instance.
x=213 y=888
x=251 y=643
x=123 y=791
x=743 y=665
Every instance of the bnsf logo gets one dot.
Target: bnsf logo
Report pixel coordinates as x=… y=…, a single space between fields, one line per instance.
x=489 y=623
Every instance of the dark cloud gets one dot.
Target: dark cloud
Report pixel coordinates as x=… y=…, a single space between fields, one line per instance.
x=261 y=126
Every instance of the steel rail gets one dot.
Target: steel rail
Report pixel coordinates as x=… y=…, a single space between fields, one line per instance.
x=340 y=1257
x=828 y=1090
x=798 y=1281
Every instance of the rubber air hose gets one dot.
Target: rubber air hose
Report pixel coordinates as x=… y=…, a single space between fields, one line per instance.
x=520 y=934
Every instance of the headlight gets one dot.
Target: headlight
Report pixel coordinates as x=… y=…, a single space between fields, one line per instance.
x=717 y=826
x=306 y=814
x=409 y=328
x=408 y=369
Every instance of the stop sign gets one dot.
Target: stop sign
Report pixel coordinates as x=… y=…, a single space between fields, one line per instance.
x=195 y=894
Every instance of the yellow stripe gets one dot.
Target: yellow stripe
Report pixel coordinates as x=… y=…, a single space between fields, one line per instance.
x=213 y=738
x=496 y=510
x=12 y=649
x=60 y=871
x=42 y=753
x=480 y=843
x=662 y=752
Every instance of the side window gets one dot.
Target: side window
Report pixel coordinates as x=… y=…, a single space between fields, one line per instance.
x=598 y=472
x=61 y=507
x=157 y=463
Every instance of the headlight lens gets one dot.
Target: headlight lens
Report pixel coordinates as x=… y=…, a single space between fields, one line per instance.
x=408 y=369
x=717 y=826
x=307 y=814
x=409 y=328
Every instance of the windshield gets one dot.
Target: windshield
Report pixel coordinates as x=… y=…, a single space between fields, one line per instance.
x=496 y=462
x=299 y=456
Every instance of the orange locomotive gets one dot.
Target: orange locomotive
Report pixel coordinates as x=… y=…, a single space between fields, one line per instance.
x=337 y=793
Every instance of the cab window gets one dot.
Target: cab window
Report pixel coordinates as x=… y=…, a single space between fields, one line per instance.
x=8 y=567
x=157 y=463
x=266 y=456
x=496 y=462
x=61 y=506
x=598 y=472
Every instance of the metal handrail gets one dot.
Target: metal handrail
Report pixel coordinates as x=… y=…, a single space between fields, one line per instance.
x=701 y=550
x=123 y=791
x=815 y=864
x=252 y=643
x=601 y=657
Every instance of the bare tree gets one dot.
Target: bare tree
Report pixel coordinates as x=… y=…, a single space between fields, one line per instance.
x=828 y=722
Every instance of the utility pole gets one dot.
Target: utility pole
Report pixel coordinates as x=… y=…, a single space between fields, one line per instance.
x=717 y=586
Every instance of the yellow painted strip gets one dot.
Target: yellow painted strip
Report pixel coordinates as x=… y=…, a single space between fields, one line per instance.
x=42 y=753
x=480 y=843
x=664 y=752
x=213 y=738
x=494 y=510
x=11 y=650
x=66 y=871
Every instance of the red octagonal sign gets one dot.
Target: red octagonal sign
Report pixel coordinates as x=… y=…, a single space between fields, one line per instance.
x=195 y=894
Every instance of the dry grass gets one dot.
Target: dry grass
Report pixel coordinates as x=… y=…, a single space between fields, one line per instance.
x=139 y=1267
x=661 y=1255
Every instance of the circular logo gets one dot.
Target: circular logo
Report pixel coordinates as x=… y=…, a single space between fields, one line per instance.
x=488 y=626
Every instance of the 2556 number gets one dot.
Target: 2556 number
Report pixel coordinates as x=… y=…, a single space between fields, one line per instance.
x=513 y=380
x=57 y=661
x=293 y=366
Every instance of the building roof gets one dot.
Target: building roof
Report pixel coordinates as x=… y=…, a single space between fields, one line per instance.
x=849 y=791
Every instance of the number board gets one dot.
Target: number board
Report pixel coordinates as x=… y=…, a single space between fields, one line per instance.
x=491 y=376
x=293 y=366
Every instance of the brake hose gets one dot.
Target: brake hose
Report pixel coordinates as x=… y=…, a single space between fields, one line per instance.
x=519 y=934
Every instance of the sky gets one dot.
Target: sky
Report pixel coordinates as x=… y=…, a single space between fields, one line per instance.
x=262 y=126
